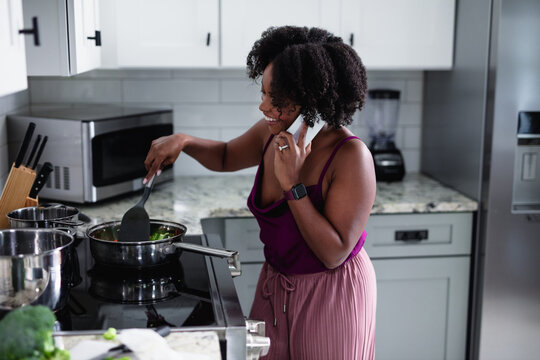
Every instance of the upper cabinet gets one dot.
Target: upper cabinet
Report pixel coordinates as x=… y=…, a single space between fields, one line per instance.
x=161 y=33
x=69 y=36
x=387 y=34
x=243 y=21
x=12 y=63
x=400 y=34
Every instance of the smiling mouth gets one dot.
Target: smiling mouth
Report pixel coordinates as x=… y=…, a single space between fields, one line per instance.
x=267 y=118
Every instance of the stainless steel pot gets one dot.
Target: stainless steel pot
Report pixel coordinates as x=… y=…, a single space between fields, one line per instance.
x=107 y=250
x=35 y=267
x=44 y=216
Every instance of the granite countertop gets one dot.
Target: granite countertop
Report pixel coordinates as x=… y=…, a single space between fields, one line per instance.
x=188 y=199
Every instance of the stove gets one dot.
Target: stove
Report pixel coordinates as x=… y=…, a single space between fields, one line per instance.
x=193 y=293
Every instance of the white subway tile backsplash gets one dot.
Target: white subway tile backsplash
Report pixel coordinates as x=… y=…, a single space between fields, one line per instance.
x=412 y=137
x=127 y=74
x=14 y=101
x=412 y=159
x=410 y=114
x=174 y=90
x=8 y=103
x=219 y=104
x=245 y=90
x=414 y=89
x=202 y=132
x=228 y=134
x=219 y=115
x=404 y=75
x=75 y=91
x=210 y=73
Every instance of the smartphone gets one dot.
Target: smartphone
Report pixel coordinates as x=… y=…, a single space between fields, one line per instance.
x=311 y=133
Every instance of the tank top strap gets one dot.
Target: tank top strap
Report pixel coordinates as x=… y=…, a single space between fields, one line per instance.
x=327 y=165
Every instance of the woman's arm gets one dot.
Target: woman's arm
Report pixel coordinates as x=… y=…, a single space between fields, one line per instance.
x=239 y=153
x=349 y=199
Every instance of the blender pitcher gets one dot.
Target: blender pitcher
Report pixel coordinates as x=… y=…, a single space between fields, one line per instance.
x=382 y=112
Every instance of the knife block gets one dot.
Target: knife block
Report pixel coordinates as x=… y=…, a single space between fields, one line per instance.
x=15 y=193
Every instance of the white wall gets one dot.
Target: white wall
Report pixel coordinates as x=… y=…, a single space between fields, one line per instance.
x=8 y=103
x=215 y=103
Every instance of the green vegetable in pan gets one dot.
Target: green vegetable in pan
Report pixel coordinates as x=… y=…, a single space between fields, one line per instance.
x=161 y=234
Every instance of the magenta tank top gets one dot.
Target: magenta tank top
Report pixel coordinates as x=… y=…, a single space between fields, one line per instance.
x=284 y=246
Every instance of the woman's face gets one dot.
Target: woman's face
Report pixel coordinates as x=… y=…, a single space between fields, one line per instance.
x=276 y=119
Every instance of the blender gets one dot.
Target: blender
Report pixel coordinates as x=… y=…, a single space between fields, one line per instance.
x=382 y=112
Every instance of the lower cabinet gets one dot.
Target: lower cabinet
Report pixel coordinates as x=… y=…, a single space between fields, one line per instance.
x=422 y=264
x=421 y=308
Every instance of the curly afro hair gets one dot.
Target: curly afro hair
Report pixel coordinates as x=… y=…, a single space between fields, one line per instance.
x=311 y=68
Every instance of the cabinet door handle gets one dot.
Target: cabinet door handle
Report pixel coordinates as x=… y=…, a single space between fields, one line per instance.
x=351 y=39
x=33 y=31
x=208 y=39
x=411 y=235
x=96 y=37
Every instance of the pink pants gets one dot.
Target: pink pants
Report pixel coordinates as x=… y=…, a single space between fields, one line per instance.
x=327 y=316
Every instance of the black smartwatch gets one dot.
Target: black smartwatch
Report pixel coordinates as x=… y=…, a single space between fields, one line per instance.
x=297 y=192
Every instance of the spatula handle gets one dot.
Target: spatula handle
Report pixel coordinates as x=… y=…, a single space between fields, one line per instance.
x=147 y=191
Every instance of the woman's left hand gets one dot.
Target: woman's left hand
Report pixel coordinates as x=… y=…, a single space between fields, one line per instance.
x=289 y=160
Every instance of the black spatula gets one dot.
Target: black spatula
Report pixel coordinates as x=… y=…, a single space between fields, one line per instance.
x=135 y=224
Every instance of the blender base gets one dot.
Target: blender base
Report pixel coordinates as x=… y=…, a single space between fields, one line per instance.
x=389 y=165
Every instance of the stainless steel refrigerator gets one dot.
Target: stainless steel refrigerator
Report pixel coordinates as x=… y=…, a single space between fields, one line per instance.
x=481 y=136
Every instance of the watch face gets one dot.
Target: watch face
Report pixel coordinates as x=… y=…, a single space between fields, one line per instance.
x=299 y=191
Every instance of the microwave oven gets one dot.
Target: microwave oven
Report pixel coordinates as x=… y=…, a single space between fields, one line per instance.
x=97 y=151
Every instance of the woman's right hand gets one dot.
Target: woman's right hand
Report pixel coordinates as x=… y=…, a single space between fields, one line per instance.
x=164 y=151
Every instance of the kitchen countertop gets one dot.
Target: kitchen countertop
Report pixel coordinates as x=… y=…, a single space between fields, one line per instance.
x=188 y=199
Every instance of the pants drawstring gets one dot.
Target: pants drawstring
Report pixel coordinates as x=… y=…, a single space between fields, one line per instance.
x=270 y=288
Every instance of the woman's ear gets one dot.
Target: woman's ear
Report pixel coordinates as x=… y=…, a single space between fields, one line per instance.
x=294 y=108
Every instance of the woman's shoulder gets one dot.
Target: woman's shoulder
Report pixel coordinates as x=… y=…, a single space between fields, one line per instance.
x=348 y=149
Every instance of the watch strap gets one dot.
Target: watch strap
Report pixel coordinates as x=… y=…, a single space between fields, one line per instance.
x=297 y=192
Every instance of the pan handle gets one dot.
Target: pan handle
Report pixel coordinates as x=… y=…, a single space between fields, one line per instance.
x=67 y=223
x=231 y=256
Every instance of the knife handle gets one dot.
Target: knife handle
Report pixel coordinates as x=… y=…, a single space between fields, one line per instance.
x=41 y=179
x=38 y=155
x=25 y=143
x=33 y=151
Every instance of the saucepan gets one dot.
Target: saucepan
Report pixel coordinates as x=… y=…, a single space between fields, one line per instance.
x=35 y=267
x=107 y=250
x=45 y=216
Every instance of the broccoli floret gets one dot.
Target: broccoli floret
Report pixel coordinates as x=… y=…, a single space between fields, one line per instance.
x=59 y=354
x=109 y=334
x=26 y=332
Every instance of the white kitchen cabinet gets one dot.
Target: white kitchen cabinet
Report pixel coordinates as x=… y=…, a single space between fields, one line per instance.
x=422 y=264
x=12 y=63
x=69 y=36
x=421 y=308
x=400 y=34
x=162 y=33
x=243 y=22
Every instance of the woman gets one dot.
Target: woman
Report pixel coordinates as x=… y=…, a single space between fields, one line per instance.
x=316 y=291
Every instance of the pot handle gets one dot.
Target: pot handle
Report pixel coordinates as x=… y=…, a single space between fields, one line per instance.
x=67 y=223
x=232 y=256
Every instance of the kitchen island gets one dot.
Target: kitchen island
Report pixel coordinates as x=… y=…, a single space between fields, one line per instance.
x=188 y=199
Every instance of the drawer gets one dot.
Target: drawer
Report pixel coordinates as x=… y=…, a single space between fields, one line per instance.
x=240 y=234
x=409 y=235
